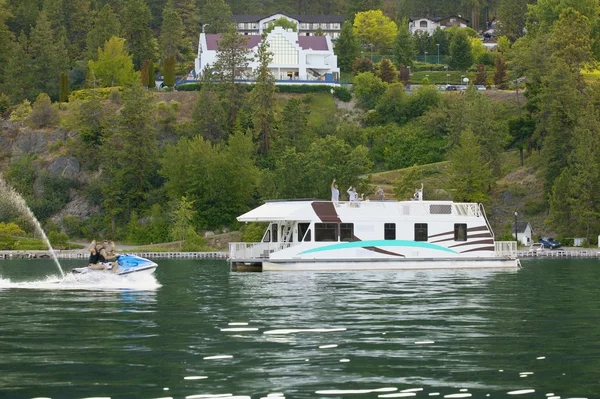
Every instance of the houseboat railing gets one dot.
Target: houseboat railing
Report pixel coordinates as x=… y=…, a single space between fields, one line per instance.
x=505 y=249
x=255 y=250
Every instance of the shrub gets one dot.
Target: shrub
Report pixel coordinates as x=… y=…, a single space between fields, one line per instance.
x=342 y=94
x=21 y=112
x=43 y=114
x=4 y=103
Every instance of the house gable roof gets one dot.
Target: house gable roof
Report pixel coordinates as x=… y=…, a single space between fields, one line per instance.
x=521 y=227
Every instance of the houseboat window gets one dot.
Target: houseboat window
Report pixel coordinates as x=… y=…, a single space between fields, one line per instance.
x=302 y=229
x=421 y=232
x=389 y=231
x=307 y=236
x=326 y=231
x=274 y=228
x=346 y=231
x=460 y=232
x=267 y=236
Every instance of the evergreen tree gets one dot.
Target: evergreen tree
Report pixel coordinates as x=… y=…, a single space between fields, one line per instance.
x=24 y=15
x=481 y=75
x=18 y=75
x=405 y=49
x=169 y=72
x=470 y=174
x=512 y=13
x=7 y=41
x=461 y=57
x=387 y=72
x=151 y=83
x=231 y=64
x=129 y=155
x=171 y=34
x=500 y=74
x=215 y=17
x=209 y=119
x=363 y=64
x=136 y=30
x=440 y=37
x=347 y=48
x=64 y=87
x=190 y=18
x=48 y=57
x=183 y=218
x=355 y=6
x=263 y=97
x=293 y=125
x=144 y=74
x=43 y=114
x=104 y=26
x=78 y=16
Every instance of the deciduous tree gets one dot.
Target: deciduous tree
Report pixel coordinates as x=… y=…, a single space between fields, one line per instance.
x=114 y=66
x=375 y=29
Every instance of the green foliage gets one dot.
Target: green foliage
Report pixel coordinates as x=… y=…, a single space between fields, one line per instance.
x=470 y=174
x=43 y=114
x=373 y=28
x=368 y=88
x=500 y=73
x=253 y=232
x=412 y=144
x=342 y=94
x=21 y=112
x=405 y=186
x=104 y=26
x=263 y=98
x=10 y=229
x=63 y=96
x=282 y=22
x=170 y=40
x=387 y=71
x=347 y=48
x=136 y=30
x=114 y=66
x=169 y=72
x=461 y=56
x=183 y=217
x=58 y=239
x=363 y=64
x=405 y=48
x=216 y=16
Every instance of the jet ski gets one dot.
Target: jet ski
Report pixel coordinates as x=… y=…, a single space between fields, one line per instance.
x=127 y=264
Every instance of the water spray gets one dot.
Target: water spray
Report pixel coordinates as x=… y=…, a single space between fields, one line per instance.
x=8 y=191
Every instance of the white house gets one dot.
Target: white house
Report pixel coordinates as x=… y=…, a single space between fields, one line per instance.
x=430 y=24
x=296 y=59
x=306 y=25
x=524 y=233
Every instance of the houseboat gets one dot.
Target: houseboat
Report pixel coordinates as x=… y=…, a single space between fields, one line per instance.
x=372 y=235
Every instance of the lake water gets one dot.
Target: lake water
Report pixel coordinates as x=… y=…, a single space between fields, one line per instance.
x=197 y=330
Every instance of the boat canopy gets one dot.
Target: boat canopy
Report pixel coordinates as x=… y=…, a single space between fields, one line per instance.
x=275 y=211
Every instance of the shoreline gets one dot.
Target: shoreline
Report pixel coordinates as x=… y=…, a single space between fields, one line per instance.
x=83 y=254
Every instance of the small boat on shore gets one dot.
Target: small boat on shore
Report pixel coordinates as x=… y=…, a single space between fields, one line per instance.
x=127 y=264
x=372 y=235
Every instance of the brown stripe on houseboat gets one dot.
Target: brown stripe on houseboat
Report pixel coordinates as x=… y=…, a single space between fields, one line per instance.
x=472 y=243
x=478 y=228
x=383 y=251
x=326 y=212
x=479 y=235
x=442 y=234
x=445 y=239
x=479 y=249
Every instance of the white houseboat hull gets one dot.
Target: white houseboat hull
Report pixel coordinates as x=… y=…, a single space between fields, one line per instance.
x=377 y=235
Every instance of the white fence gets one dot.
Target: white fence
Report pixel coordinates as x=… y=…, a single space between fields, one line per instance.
x=506 y=248
x=255 y=250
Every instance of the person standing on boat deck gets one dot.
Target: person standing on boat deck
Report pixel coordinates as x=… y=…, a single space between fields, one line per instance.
x=352 y=194
x=335 y=193
x=379 y=193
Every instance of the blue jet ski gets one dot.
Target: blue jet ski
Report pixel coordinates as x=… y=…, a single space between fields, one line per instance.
x=127 y=264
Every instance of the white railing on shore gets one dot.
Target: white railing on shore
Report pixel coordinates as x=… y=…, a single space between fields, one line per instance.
x=505 y=248
x=255 y=250
x=85 y=255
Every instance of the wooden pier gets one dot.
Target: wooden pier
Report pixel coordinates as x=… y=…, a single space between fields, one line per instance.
x=85 y=255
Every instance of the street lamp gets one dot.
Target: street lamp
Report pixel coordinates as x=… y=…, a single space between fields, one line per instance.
x=447 y=74
x=438 y=46
x=425 y=56
x=516 y=236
